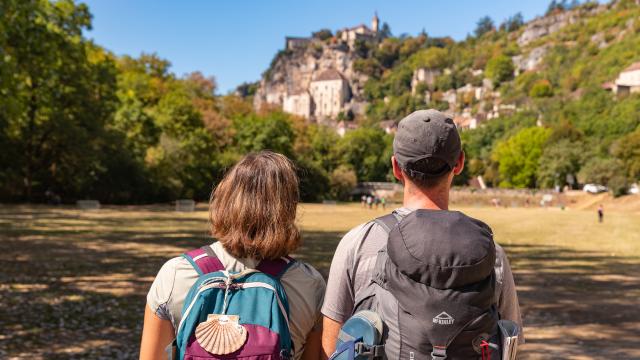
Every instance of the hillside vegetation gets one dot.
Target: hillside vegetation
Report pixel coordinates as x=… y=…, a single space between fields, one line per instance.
x=565 y=129
x=77 y=121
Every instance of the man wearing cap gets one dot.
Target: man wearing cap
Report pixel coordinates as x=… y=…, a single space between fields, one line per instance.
x=427 y=154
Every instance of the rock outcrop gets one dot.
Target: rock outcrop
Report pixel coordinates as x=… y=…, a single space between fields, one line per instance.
x=287 y=83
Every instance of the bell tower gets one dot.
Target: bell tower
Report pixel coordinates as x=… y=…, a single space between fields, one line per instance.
x=375 y=22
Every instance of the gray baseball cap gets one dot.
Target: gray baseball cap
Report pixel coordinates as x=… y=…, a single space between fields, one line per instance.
x=426 y=134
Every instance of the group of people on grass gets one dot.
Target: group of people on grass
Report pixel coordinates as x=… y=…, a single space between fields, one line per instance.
x=253 y=221
x=369 y=201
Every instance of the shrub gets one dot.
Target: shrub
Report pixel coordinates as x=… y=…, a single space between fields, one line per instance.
x=499 y=69
x=540 y=89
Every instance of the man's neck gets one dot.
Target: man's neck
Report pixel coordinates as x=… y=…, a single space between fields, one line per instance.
x=432 y=199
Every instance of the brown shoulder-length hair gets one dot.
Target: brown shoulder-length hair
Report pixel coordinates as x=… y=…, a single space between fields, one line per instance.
x=253 y=210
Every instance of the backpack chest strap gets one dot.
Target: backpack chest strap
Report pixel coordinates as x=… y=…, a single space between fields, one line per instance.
x=205 y=261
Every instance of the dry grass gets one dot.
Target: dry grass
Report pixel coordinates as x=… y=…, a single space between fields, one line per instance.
x=73 y=283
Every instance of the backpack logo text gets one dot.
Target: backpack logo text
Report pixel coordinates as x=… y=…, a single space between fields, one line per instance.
x=443 y=319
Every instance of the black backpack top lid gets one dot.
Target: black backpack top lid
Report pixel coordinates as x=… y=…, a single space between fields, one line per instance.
x=442 y=249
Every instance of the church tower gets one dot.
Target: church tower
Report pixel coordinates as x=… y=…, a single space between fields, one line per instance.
x=375 y=22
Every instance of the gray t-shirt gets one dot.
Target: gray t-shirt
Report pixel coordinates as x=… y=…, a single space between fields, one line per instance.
x=353 y=265
x=303 y=285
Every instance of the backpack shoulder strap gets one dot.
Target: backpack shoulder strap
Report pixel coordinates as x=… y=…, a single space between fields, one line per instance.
x=388 y=221
x=204 y=260
x=276 y=268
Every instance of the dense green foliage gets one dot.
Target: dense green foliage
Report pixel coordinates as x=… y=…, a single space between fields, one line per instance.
x=519 y=156
x=589 y=125
x=499 y=69
x=76 y=121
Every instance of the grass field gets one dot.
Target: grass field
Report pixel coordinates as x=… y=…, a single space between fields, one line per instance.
x=73 y=283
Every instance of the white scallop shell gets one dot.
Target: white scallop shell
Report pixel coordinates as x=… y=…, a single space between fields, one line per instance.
x=221 y=334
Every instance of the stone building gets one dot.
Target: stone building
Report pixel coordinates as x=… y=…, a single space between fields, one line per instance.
x=299 y=104
x=297 y=81
x=292 y=42
x=424 y=76
x=330 y=92
x=350 y=35
x=629 y=80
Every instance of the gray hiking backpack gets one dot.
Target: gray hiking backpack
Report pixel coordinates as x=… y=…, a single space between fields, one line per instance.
x=433 y=286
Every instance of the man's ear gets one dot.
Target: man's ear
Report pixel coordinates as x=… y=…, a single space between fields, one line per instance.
x=459 y=164
x=397 y=172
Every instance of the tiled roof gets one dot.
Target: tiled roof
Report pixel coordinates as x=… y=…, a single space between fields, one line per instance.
x=632 y=67
x=330 y=74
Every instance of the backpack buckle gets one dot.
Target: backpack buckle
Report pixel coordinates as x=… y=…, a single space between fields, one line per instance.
x=371 y=352
x=439 y=353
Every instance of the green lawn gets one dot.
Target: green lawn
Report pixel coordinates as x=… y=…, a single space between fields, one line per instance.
x=73 y=283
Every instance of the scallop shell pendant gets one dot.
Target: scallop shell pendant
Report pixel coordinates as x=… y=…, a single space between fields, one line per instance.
x=221 y=334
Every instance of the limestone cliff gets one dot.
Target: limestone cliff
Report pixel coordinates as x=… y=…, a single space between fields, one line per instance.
x=293 y=70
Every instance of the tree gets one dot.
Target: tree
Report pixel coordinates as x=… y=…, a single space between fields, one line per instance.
x=598 y=171
x=388 y=52
x=272 y=131
x=483 y=26
x=499 y=68
x=541 y=89
x=513 y=23
x=560 y=6
x=61 y=93
x=385 y=31
x=519 y=157
x=367 y=151
x=432 y=57
x=559 y=163
x=322 y=34
x=627 y=151
x=604 y=171
x=247 y=89
x=322 y=140
x=342 y=181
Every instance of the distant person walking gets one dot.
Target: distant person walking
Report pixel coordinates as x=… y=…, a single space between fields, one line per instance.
x=370 y=202
x=383 y=201
x=363 y=201
x=600 y=213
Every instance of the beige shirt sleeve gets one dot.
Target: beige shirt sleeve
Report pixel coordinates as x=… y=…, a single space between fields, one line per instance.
x=305 y=288
x=170 y=288
x=161 y=289
x=339 y=298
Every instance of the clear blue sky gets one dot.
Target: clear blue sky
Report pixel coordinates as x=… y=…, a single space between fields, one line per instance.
x=236 y=40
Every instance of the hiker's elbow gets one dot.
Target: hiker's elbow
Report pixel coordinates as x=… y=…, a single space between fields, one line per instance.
x=330 y=330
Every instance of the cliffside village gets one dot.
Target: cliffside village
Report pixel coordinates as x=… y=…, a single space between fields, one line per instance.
x=315 y=79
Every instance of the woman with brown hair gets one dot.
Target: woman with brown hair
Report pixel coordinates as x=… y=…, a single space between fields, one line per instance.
x=252 y=214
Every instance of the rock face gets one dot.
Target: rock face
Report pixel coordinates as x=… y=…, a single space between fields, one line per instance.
x=288 y=83
x=551 y=23
x=544 y=26
x=531 y=60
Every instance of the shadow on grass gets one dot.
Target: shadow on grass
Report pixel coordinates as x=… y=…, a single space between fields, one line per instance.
x=77 y=291
x=577 y=304
x=73 y=285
